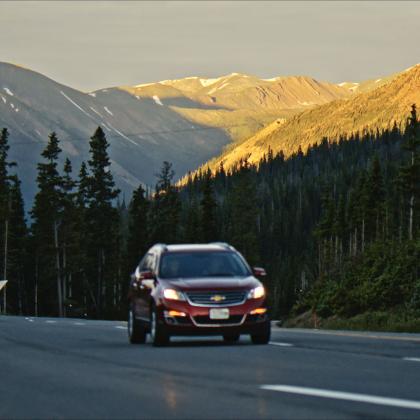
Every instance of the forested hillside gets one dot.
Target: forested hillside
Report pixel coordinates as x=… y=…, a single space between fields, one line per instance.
x=337 y=228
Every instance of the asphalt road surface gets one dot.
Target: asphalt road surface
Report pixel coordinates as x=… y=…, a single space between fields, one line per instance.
x=69 y=368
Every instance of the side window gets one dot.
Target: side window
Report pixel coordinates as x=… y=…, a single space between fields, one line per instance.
x=152 y=265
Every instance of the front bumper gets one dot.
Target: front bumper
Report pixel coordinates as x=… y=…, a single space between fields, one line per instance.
x=197 y=320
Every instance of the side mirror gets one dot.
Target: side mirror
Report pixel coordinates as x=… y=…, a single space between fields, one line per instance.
x=143 y=275
x=259 y=272
x=146 y=275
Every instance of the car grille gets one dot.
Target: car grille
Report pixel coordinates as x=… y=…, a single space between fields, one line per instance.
x=218 y=298
x=205 y=320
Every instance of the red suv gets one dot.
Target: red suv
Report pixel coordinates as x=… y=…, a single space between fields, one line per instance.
x=202 y=289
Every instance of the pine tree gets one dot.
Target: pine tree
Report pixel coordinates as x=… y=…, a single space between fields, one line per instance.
x=101 y=222
x=17 y=251
x=46 y=214
x=243 y=230
x=138 y=235
x=208 y=207
x=375 y=200
x=83 y=292
x=409 y=174
x=165 y=208
x=69 y=236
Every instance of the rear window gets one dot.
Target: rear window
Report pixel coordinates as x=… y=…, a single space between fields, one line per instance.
x=202 y=264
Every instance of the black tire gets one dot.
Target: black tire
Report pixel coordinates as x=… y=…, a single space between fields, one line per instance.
x=231 y=338
x=136 y=332
x=158 y=333
x=263 y=336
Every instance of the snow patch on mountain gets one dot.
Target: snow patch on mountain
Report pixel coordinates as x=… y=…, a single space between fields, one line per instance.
x=143 y=85
x=219 y=87
x=75 y=104
x=208 y=82
x=157 y=100
x=8 y=91
x=377 y=80
x=108 y=111
x=122 y=134
x=96 y=112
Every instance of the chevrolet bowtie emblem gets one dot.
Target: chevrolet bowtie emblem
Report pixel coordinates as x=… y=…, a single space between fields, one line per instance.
x=217 y=298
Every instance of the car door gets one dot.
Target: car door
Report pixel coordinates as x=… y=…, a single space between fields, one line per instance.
x=145 y=286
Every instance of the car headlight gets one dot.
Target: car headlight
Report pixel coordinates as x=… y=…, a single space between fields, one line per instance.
x=173 y=294
x=256 y=293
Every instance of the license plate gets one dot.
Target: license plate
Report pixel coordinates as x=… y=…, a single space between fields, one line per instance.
x=222 y=313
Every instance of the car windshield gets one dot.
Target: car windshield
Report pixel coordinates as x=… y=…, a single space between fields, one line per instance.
x=202 y=264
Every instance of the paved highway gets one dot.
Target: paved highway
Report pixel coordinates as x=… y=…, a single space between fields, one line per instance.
x=69 y=368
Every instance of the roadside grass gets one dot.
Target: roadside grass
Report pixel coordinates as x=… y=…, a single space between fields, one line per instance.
x=368 y=321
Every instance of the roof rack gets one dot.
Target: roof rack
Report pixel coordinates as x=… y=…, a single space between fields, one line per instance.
x=223 y=244
x=159 y=245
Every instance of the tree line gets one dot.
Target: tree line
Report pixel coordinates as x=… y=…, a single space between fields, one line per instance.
x=309 y=219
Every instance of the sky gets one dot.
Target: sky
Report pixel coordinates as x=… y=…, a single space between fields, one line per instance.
x=92 y=45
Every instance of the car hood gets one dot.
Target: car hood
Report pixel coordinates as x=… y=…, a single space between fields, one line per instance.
x=209 y=283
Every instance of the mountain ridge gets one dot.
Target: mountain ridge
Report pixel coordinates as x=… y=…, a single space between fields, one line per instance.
x=371 y=109
x=186 y=121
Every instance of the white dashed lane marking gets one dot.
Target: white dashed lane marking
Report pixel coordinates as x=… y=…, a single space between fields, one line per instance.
x=274 y=343
x=51 y=322
x=412 y=359
x=79 y=323
x=120 y=327
x=348 y=396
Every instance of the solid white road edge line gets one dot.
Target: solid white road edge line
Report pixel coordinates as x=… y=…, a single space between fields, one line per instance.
x=412 y=359
x=273 y=343
x=349 y=396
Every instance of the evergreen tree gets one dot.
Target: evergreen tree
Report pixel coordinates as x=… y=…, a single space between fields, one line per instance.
x=243 y=231
x=409 y=176
x=375 y=200
x=69 y=237
x=46 y=214
x=83 y=292
x=208 y=207
x=101 y=223
x=138 y=235
x=18 y=285
x=165 y=208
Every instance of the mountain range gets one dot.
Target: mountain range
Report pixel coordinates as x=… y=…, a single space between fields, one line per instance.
x=373 y=108
x=186 y=121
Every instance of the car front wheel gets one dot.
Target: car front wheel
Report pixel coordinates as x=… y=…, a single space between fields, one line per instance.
x=263 y=336
x=136 y=332
x=158 y=333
